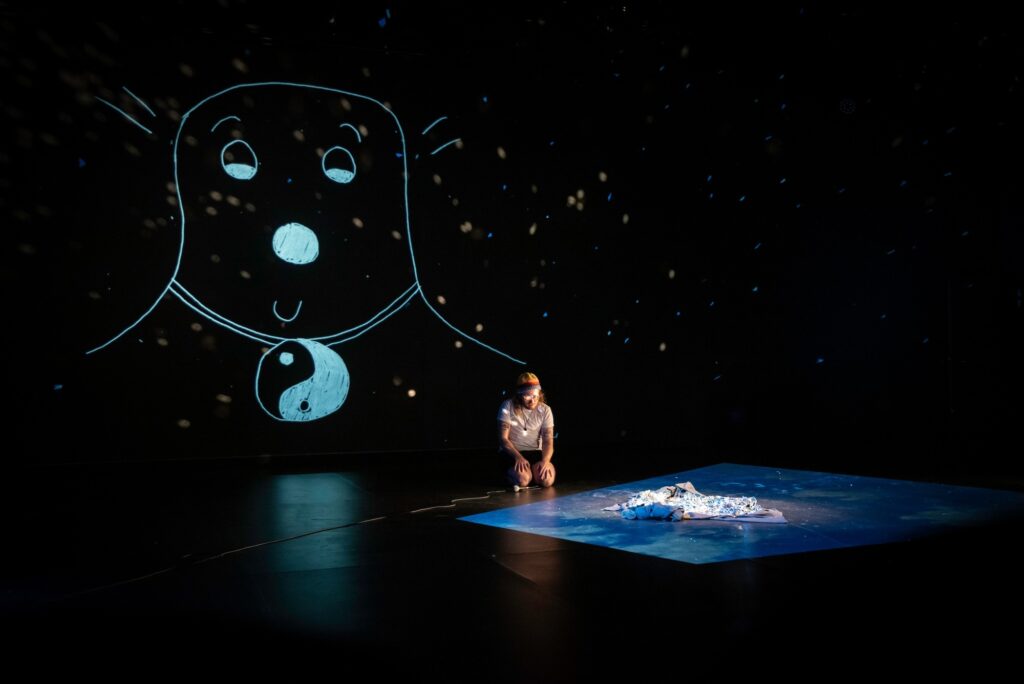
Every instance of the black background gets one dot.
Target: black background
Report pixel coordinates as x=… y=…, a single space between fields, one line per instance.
x=800 y=241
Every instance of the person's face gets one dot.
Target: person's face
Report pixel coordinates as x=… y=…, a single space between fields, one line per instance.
x=531 y=398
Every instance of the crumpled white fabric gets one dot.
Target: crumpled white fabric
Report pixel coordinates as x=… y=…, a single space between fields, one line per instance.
x=682 y=502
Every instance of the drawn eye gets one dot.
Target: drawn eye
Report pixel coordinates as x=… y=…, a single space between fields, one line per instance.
x=239 y=160
x=339 y=165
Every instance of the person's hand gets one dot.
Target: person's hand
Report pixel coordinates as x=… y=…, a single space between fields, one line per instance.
x=522 y=465
x=544 y=471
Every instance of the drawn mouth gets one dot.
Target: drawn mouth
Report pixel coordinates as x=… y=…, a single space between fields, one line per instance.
x=293 y=316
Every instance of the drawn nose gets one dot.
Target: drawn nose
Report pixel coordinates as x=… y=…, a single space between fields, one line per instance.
x=296 y=244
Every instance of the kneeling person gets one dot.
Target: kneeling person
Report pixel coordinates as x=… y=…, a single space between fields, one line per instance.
x=526 y=430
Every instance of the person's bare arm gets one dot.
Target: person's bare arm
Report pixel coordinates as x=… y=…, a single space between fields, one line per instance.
x=505 y=444
x=547 y=444
x=547 y=450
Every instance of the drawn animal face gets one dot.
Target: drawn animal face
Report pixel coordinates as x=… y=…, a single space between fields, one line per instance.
x=294 y=207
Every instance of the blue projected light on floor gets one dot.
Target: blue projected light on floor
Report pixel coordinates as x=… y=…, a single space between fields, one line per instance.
x=824 y=511
x=304 y=168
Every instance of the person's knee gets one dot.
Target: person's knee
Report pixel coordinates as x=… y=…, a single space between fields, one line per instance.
x=546 y=481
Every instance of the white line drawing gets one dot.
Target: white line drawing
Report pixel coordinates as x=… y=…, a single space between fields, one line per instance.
x=305 y=164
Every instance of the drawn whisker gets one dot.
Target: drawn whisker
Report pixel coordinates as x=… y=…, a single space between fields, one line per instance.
x=451 y=142
x=433 y=124
x=124 y=114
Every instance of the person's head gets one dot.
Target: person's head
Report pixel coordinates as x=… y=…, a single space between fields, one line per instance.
x=528 y=391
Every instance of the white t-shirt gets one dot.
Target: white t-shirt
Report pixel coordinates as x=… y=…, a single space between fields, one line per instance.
x=525 y=426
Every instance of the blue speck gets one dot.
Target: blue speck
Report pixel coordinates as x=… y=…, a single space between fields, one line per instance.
x=903 y=184
x=925 y=141
x=782 y=181
x=711 y=195
x=678 y=314
x=609 y=197
x=717 y=377
x=382 y=22
x=551 y=143
x=767 y=138
x=841 y=190
x=490 y=235
x=387 y=13
x=81 y=163
x=757 y=246
x=609 y=333
x=545 y=314
x=711 y=304
x=782 y=77
x=485 y=99
x=58 y=387
x=625 y=341
x=755 y=289
x=782 y=107
x=596 y=247
x=398 y=155
x=965 y=233
x=948 y=174
x=884 y=316
x=890 y=252
x=289 y=181
x=286 y=358
x=661 y=68
x=743 y=198
x=924 y=341
x=504 y=187
x=798 y=205
x=709 y=178
x=820 y=360
x=637 y=301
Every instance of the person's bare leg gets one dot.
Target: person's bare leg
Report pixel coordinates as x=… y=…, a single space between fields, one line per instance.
x=546 y=481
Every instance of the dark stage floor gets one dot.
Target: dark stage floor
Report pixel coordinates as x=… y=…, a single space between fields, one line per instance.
x=114 y=564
